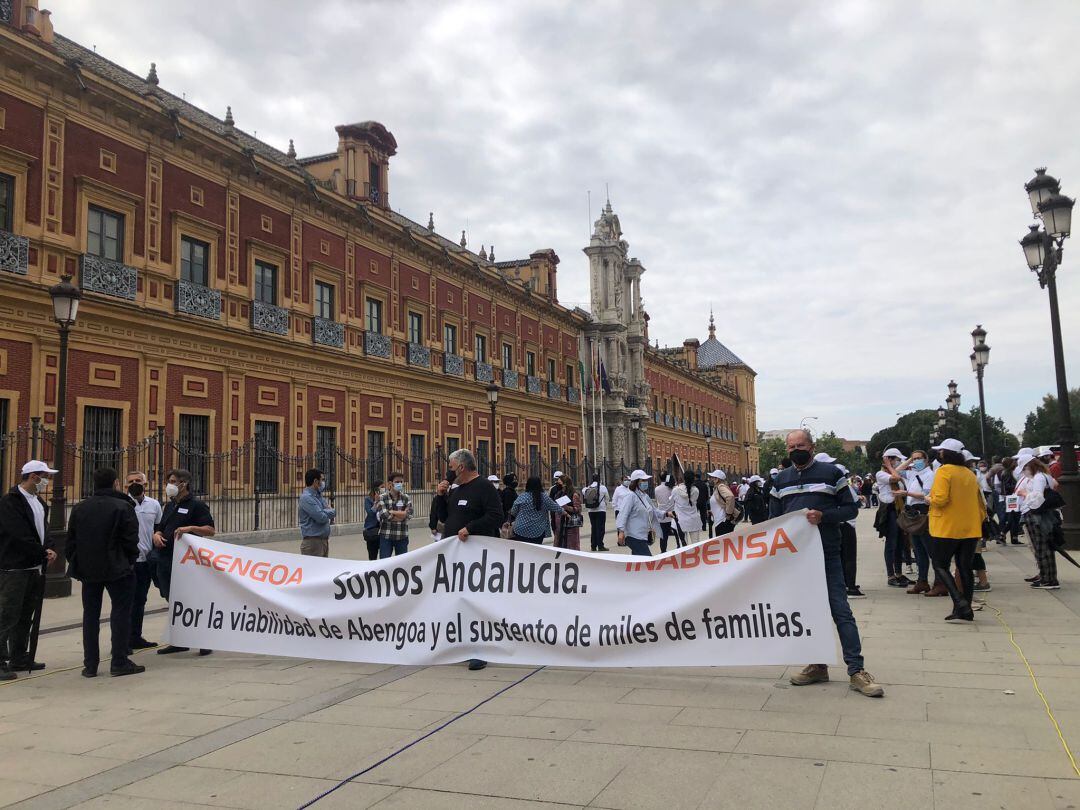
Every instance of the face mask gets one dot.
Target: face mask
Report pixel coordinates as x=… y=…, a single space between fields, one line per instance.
x=171 y=490
x=42 y=485
x=626 y=483
x=800 y=458
x=450 y=476
x=136 y=490
x=919 y=464
x=982 y=469
x=643 y=486
x=399 y=486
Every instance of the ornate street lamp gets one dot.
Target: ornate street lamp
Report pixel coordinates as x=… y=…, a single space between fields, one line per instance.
x=635 y=426
x=980 y=358
x=952 y=401
x=65 y=300
x=493 y=401
x=708 y=450
x=1043 y=253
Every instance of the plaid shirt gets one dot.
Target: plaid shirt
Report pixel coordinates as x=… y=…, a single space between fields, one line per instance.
x=393 y=501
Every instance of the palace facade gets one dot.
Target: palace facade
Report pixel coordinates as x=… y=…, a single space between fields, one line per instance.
x=235 y=292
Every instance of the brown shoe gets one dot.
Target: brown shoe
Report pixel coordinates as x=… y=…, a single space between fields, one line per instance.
x=937 y=590
x=814 y=673
x=922 y=586
x=863 y=683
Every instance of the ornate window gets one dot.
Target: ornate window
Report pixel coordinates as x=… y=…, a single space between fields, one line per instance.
x=7 y=202
x=449 y=338
x=266 y=456
x=324 y=300
x=374 y=315
x=416 y=328
x=507 y=356
x=193 y=450
x=530 y=364
x=266 y=282
x=194 y=261
x=481 y=348
x=105 y=234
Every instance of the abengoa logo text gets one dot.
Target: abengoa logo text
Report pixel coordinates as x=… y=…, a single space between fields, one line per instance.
x=276 y=574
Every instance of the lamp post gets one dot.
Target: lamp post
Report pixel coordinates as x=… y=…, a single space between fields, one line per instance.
x=708 y=450
x=746 y=447
x=952 y=401
x=635 y=426
x=493 y=400
x=980 y=358
x=65 y=300
x=1043 y=253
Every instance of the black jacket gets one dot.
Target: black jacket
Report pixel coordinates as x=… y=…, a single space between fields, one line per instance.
x=20 y=546
x=103 y=537
x=474 y=506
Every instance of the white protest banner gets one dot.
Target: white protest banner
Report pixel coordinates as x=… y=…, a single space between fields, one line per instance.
x=756 y=596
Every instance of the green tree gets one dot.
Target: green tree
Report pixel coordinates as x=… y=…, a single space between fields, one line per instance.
x=1041 y=425
x=912 y=432
x=770 y=452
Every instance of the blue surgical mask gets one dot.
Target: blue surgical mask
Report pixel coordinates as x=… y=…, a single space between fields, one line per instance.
x=643 y=486
x=919 y=464
x=399 y=486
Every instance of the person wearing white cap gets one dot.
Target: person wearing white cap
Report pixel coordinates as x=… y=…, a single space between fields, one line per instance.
x=722 y=504
x=918 y=480
x=24 y=551
x=957 y=511
x=637 y=516
x=1038 y=508
x=687 y=516
x=665 y=503
x=887 y=479
x=757 y=508
x=1010 y=518
x=494 y=479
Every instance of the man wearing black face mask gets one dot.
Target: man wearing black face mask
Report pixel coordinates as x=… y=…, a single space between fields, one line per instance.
x=823 y=490
x=148 y=511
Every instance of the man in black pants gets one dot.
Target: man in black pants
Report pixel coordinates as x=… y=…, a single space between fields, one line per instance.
x=102 y=546
x=472 y=507
x=849 y=548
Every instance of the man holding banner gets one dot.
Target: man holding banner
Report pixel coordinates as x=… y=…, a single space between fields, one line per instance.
x=823 y=489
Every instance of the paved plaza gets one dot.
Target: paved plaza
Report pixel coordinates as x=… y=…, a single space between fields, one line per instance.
x=961 y=726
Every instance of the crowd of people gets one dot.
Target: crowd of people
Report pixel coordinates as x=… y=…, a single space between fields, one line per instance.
x=936 y=512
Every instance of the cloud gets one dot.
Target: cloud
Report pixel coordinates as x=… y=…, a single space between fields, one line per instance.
x=841 y=181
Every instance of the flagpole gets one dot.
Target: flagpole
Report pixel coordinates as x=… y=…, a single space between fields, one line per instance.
x=592 y=392
x=581 y=400
x=603 y=432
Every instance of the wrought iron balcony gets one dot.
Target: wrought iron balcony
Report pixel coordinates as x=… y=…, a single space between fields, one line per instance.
x=196 y=299
x=453 y=364
x=509 y=378
x=630 y=402
x=108 y=277
x=376 y=345
x=573 y=394
x=485 y=372
x=326 y=332
x=14 y=252
x=554 y=390
x=532 y=384
x=419 y=356
x=269 y=318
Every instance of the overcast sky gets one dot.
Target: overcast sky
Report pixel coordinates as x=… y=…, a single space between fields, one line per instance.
x=842 y=181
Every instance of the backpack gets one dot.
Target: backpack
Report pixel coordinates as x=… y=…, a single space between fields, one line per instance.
x=591 y=497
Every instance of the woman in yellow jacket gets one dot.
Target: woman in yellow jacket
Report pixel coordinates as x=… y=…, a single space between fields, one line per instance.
x=957 y=510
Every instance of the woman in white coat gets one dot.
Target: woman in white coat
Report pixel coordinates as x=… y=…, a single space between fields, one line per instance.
x=684 y=504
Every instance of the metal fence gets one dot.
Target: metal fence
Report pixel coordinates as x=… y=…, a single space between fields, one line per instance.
x=255 y=486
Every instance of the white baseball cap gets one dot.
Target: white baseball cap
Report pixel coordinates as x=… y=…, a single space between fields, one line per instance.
x=1023 y=461
x=1024 y=451
x=493 y=478
x=955 y=445
x=640 y=475
x=756 y=479
x=892 y=452
x=718 y=474
x=826 y=458
x=774 y=471
x=1044 y=451
x=36 y=466
x=556 y=475
x=969 y=456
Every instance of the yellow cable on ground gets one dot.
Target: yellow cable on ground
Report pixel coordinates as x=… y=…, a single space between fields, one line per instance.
x=1038 y=691
x=25 y=678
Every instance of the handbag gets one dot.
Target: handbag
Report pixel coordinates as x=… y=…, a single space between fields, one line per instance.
x=913 y=520
x=573 y=521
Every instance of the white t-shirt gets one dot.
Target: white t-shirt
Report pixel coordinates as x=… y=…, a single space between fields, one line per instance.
x=605 y=499
x=686 y=508
x=664 y=500
x=883 y=482
x=743 y=489
x=149 y=514
x=918 y=481
x=621 y=493
x=1032 y=491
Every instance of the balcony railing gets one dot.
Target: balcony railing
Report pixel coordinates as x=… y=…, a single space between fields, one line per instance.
x=14 y=251
x=453 y=364
x=509 y=378
x=631 y=402
x=197 y=299
x=108 y=277
x=533 y=384
x=573 y=394
x=485 y=373
x=269 y=318
x=376 y=345
x=419 y=356
x=554 y=390
x=326 y=332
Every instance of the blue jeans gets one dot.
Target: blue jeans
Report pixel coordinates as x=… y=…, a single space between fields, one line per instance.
x=638 y=547
x=388 y=547
x=921 y=544
x=838 y=601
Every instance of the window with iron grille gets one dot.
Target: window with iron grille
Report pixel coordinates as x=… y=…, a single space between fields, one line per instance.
x=570 y=374
x=7 y=202
x=507 y=355
x=416 y=462
x=324 y=300
x=534 y=459
x=266 y=283
x=530 y=363
x=194 y=261
x=449 y=338
x=193 y=450
x=551 y=369
x=374 y=315
x=481 y=348
x=453 y=444
x=105 y=234
x=416 y=328
x=376 y=451
x=553 y=456
x=483 y=457
x=326 y=454
x=267 y=460
x=101 y=443
x=4 y=438
x=510 y=456
x=573 y=459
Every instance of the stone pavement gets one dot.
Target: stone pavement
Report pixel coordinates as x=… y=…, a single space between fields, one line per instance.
x=961 y=726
